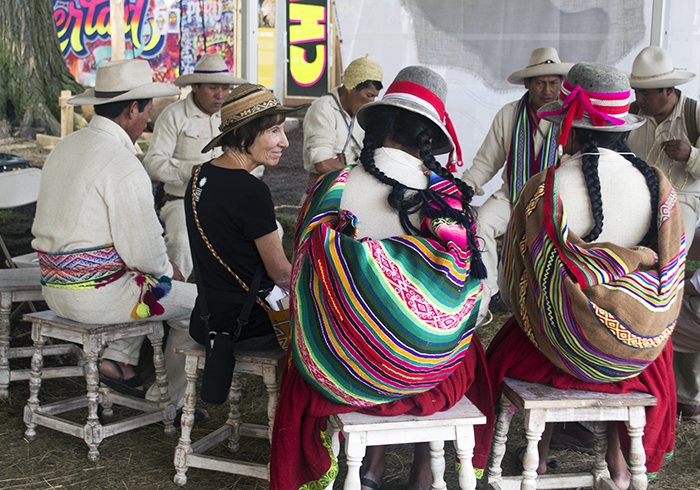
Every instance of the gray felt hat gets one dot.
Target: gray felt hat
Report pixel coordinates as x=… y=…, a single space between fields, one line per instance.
x=425 y=94
x=608 y=91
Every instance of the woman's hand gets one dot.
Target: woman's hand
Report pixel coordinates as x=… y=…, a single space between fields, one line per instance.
x=275 y=261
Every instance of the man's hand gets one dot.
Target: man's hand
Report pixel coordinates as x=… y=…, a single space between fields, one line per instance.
x=677 y=150
x=335 y=163
x=177 y=273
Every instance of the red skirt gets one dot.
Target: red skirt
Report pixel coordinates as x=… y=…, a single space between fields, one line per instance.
x=300 y=445
x=512 y=354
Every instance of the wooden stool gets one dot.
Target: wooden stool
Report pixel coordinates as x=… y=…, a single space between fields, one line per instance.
x=18 y=286
x=93 y=338
x=541 y=404
x=268 y=365
x=456 y=424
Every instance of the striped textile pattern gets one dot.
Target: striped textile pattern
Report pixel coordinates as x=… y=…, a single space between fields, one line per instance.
x=81 y=269
x=376 y=321
x=598 y=311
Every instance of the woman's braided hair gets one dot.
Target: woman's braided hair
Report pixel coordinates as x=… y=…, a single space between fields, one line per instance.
x=590 y=141
x=411 y=130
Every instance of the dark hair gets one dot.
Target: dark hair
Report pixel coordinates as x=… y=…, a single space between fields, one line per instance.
x=244 y=136
x=590 y=141
x=377 y=85
x=114 y=109
x=412 y=130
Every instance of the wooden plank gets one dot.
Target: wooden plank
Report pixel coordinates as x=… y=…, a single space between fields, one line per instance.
x=20 y=279
x=116 y=24
x=46 y=141
x=66 y=113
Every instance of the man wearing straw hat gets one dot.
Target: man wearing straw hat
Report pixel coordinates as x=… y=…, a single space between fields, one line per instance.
x=332 y=139
x=520 y=141
x=665 y=140
x=180 y=133
x=98 y=238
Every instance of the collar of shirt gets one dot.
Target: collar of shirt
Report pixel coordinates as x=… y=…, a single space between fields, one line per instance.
x=108 y=126
x=191 y=109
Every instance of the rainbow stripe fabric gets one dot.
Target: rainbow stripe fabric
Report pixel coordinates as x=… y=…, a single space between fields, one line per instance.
x=81 y=269
x=598 y=311
x=376 y=321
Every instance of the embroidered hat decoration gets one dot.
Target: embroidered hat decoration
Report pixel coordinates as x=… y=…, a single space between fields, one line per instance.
x=360 y=71
x=209 y=69
x=593 y=96
x=244 y=104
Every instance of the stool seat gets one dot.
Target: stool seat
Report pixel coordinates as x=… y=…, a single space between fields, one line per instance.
x=456 y=424
x=93 y=338
x=542 y=404
x=266 y=364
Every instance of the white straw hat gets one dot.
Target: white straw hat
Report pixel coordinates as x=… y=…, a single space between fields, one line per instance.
x=543 y=62
x=123 y=80
x=653 y=68
x=209 y=69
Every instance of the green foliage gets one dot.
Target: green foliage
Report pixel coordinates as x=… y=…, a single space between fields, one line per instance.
x=288 y=223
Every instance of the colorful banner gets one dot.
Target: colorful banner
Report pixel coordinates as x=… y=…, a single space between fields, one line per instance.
x=170 y=34
x=307 y=48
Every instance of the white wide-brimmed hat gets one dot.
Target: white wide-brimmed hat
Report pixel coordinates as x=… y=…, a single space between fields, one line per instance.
x=653 y=68
x=543 y=62
x=123 y=80
x=209 y=69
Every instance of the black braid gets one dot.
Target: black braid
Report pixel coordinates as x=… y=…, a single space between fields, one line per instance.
x=590 y=172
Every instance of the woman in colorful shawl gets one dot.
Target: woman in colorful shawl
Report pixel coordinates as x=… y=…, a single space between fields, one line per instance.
x=595 y=313
x=386 y=291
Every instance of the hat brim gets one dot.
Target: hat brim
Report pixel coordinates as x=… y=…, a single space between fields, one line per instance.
x=632 y=121
x=148 y=91
x=543 y=70
x=280 y=109
x=444 y=143
x=216 y=78
x=676 y=78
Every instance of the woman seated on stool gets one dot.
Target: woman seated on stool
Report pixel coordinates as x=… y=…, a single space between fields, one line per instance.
x=233 y=234
x=386 y=291
x=594 y=313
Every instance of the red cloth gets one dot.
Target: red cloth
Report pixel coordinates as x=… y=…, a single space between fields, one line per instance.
x=298 y=454
x=512 y=354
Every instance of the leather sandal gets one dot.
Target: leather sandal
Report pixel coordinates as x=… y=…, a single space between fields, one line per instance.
x=125 y=386
x=366 y=482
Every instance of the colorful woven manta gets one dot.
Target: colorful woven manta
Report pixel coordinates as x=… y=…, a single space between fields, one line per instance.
x=598 y=311
x=376 y=321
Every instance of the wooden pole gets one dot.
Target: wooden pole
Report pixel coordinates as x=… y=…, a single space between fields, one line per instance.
x=116 y=24
x=238 y=62
x=66 y=113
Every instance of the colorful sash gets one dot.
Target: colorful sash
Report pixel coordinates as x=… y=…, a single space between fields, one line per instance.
x=599 y=311
x=377 y=321
x=96 y=267
x=523 y=161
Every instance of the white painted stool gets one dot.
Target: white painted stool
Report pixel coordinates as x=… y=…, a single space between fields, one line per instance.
x=268 y=365
x=18 y=286
x=541 y=404
x=93 y=338
x=456 y=424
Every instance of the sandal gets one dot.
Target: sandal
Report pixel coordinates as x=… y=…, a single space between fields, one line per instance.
x=366 y=482
x=200 y=416
x=125 y=386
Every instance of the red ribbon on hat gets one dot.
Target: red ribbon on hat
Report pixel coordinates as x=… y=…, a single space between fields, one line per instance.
x=598 y=106
x=419 y=91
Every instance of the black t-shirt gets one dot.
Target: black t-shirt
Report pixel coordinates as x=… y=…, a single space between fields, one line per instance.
x=234 y=209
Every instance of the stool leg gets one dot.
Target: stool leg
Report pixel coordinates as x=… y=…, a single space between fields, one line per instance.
x=5 y=310
x=464 y=445
x=600 y=445
x=34 y=383
x=92 y=432
x=437 y=464
x=534 y=427
x=234 y=414
x=334 y=432
x=635 y=429
x=105 y=399
x=355 y=447
x=273 y=393
x=186 y=422
x=156 y=338
x=500 y=436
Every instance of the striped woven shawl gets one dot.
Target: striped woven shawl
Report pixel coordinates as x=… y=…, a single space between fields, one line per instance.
x=376 y=321
x=598 y=311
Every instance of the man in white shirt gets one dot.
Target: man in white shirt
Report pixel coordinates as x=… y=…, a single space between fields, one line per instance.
x=101 y=253
x=180 y=133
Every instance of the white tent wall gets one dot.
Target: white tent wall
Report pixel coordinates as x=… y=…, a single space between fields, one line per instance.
x=475 y=45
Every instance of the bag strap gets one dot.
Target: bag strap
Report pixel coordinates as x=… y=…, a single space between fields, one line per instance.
x=349 y=124
x=691 y=121
x=245 y=287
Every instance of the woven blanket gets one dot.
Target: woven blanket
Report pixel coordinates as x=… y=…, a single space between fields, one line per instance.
x=523 y=161
x=598 y=311
x=377 y=321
